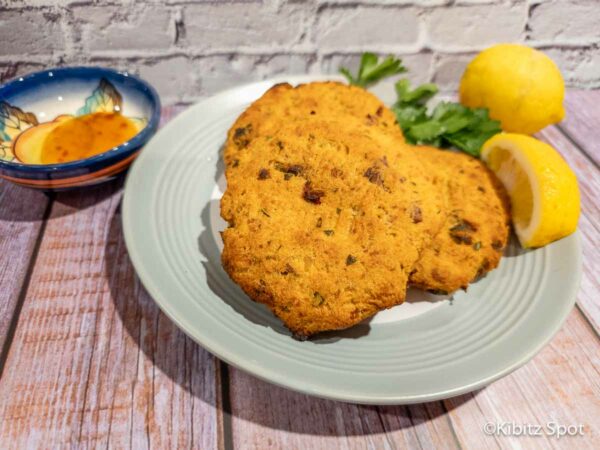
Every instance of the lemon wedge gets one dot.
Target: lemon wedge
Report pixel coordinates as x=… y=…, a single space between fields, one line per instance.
x=542 y=187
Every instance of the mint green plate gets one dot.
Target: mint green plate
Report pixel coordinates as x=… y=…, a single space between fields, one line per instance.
x=426 y=349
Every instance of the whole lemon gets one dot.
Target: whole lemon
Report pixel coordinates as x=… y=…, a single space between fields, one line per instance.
x=521 y=87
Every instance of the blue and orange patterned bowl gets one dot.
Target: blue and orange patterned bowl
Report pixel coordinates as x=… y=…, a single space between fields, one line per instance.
x=40 y=97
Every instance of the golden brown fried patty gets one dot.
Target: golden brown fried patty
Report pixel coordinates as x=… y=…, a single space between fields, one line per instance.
x=476 y=228
x=331 y=212
x=326 y=221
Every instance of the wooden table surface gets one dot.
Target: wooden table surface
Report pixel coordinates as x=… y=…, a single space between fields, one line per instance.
x=88 y=360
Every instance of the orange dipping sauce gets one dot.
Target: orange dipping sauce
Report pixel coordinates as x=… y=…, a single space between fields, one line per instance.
x=85 y=136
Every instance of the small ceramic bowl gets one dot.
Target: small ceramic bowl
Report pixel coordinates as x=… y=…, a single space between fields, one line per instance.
x=38 y=98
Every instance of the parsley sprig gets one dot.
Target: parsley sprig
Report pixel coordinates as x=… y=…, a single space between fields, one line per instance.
x=371 y=70
x=449 y=124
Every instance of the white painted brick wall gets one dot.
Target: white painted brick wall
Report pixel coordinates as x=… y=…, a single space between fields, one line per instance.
x=192 y=48
x=353 y=28
x=475 y=26
x=106 y=29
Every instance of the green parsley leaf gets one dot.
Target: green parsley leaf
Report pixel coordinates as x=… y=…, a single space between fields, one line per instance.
x=448 y=109
x=472 y=138
x=371 y=70
x=449 y=125
x=425 y=132
x=418 y=96
x=409 y=115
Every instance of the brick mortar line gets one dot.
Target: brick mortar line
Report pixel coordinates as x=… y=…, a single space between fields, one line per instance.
x=191 y=53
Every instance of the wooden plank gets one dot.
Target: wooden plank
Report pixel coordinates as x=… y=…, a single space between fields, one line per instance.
x=581 y=121
x=21 y=217
x=169 y=112
x=93 y=361
x=267 y=416
x=561 y=384
x=588 y=176
x=431 y=428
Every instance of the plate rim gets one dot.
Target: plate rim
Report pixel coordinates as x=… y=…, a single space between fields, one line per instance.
x=278 y=378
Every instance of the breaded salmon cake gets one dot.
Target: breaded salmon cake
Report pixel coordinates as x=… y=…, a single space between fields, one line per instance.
x=282 y=146
x=326 y=221
x=477 y=225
